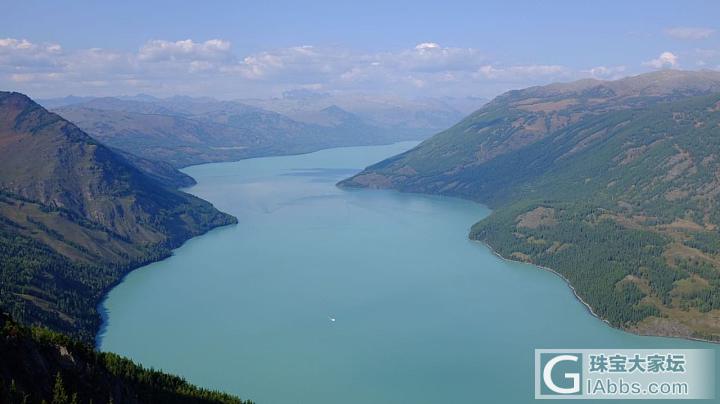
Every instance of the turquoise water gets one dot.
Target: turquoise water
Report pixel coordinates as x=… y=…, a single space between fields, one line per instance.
x=422 y=314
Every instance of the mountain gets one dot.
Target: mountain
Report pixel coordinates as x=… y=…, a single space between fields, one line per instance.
x=159 y=170
x=613 y=184
x=75 y=216
x=175 y=139
x=58 y=102
x=183 y=131
x=39 y=366
x=330 y=116
x=419 y=116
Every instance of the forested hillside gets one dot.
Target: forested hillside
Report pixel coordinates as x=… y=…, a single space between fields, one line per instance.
x=39 y=366
x=75 y=216
x=612 y=184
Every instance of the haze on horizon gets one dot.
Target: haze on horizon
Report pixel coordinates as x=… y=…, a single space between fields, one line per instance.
x=231 y=50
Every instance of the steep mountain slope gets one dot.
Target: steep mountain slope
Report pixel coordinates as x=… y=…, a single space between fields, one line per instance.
x=159 y=170
x=612 y=184
x=75 y=216
x=185 y=131
x=41 y=366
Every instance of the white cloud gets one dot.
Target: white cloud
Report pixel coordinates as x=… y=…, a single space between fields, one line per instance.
x=689 y=33
x=432 y=57
x=23 y=45
x=160 y=50
x=605 y=72
x=426 y=46
x=23 y=54
x=666 y=59
x=307 y=61
x=328 y=62
x=211 y=67
x=520 y=72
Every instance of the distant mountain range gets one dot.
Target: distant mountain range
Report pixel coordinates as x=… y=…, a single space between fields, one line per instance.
x=426 y=115
x=76 y=215
x=613 y=184
x=184 y=131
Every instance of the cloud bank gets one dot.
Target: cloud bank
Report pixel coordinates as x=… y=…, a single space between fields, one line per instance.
x=211 y=67
x=664 y=60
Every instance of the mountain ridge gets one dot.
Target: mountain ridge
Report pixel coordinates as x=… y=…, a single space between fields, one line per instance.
x=75 y=216
x=186 y=131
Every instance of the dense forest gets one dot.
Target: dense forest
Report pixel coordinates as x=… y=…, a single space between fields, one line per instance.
x=40 y=286
x=41 y=366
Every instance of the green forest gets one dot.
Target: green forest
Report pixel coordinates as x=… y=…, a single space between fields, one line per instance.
x=635 y=236
x=42 y=366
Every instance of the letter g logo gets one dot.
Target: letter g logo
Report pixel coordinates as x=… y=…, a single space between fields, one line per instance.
x=547 y=375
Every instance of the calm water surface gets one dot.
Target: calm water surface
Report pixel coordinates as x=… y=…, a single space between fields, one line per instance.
x=422 y=314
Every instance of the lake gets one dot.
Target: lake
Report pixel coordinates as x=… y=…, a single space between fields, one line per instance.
x=333 y=296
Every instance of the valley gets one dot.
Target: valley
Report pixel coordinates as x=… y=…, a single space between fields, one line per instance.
x=185 y=131
x=420 y=311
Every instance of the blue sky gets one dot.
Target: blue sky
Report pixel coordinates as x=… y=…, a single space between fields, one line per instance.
x=236 y=49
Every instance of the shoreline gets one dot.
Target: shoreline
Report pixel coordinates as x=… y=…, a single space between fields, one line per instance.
x=561 y=276
x=558 y=274
x=580 y=299
x=291 y=154
x=101 y=313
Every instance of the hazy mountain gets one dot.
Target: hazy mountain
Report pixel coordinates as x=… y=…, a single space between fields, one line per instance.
x=185 y=131
x=614 y=184
x=63 y=101
x=75 y=216
x=425 y=116
x=57 y=102
x=125 y=105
